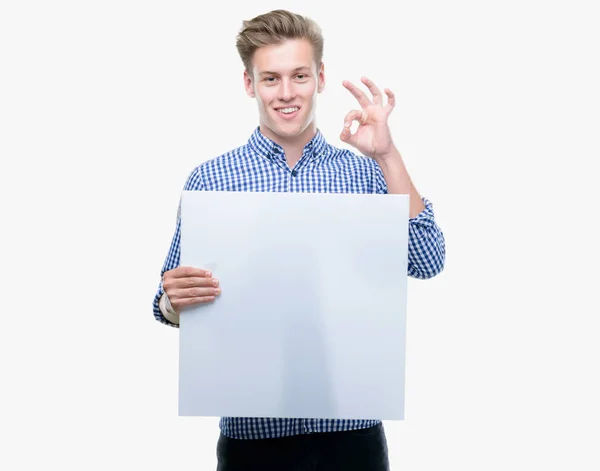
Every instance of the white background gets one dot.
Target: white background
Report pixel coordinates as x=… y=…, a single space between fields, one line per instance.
x=105 y=108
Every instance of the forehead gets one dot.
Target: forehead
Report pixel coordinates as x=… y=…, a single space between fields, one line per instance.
x=287 y=56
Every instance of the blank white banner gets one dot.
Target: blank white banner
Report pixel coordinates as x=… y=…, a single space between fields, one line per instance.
x=311 y=319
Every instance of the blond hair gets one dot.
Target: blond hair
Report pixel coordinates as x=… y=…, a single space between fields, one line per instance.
x=276 y=27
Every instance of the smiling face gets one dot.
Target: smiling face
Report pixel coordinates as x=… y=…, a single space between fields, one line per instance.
x=285 y=82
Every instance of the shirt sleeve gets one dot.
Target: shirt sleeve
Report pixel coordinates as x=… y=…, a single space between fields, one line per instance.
x=194 y=182
x=426 y=244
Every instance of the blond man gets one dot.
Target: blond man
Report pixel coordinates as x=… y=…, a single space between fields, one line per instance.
x=283 y=71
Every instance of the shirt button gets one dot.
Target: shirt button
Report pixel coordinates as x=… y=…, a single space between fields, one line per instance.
x=294 y=173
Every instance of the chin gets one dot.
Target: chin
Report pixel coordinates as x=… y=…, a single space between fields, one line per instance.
x=290 y=132
x=286 y=131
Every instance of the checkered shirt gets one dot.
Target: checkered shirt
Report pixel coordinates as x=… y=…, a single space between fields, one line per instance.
x=260 y=165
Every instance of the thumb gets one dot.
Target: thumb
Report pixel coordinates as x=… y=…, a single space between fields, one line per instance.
x=346 y=134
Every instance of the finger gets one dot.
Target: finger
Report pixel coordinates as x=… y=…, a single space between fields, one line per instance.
x=185 y=272
x=354 y=115
x=377 y=97
x=181 y=294
x=195 y=282
x=358 y=93
x=171 y=284
x=391 y=100
x=177 y=305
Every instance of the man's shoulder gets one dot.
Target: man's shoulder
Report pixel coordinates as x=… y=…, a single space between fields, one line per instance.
x=348 y=157
x=226 y=158
x=217 y=164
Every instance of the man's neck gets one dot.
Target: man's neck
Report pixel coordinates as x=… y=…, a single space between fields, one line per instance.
x=292 y=146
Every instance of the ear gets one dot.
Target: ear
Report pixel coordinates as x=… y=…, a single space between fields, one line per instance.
x=248 y=84
x=321 y=76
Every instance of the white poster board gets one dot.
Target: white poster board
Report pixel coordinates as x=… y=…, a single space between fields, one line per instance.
x=311 y=319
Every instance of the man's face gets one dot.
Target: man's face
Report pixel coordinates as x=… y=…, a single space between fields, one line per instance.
x=285 y=82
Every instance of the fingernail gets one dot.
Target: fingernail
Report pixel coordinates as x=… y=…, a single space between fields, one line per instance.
x=215 y=282
x=208 y=274
x=217 y=290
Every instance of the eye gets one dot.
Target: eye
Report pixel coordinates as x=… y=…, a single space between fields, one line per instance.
x=301 y=76
x=270 y=79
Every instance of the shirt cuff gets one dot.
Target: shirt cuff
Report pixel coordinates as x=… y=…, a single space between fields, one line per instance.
x=423 y=221
x=167 y=310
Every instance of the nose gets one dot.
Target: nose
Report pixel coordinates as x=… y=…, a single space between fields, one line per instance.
x=286 y=90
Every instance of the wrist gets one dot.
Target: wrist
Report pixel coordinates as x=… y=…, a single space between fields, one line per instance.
x=390 y=158
x=391 y=162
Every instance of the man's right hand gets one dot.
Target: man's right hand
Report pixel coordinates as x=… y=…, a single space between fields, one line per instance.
x=186 y=286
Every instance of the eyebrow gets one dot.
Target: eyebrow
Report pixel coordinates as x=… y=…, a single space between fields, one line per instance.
x=267 y=72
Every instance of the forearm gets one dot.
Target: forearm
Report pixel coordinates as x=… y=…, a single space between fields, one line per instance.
x=398 y=181
x=172 y=261
x=163 y=311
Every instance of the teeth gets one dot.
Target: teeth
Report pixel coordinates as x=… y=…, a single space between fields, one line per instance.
x=288 y=110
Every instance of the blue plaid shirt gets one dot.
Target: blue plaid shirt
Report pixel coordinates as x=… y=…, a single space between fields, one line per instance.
x=260 y=165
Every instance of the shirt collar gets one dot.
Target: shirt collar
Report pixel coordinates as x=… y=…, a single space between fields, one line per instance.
x=268 y=148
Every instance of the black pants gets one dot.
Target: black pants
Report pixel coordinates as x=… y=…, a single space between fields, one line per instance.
x=355 y=450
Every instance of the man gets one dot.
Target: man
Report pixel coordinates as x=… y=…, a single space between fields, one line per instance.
x=281 y=53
